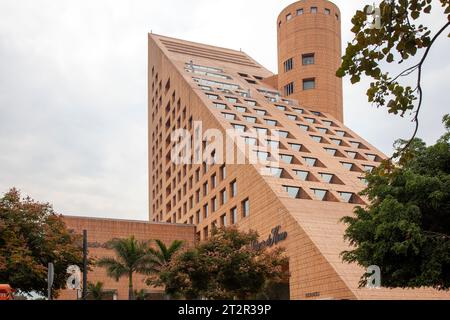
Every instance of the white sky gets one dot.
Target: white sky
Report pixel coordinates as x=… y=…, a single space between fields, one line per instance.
x=73 y=96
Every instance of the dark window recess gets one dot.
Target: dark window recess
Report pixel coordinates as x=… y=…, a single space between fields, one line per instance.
x=289 y=89
x=309 y=84
x=288 y=65
x=308 y=59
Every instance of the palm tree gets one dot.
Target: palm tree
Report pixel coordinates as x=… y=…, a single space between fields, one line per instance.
x=140 y=295
x=96 y=290
x=132 y=257
x=162 y=255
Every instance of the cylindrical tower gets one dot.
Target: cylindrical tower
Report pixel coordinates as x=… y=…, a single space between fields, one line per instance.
x=309 y=54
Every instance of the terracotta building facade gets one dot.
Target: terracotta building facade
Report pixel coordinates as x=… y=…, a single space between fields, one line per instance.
x=293 y=170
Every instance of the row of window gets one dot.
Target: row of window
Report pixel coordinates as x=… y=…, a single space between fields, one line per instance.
x=307 y=59
x=312 y=10
x=308 y=84
x=321 y=195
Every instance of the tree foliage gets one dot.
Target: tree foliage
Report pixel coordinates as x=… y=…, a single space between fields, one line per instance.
x=225 y=266
x=31 y=236
x=96 y=291
x=132 y=256
x=406 y=228
x=397 y=39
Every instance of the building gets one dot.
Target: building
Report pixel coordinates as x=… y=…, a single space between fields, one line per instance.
x=293 y=170
x=101 y=231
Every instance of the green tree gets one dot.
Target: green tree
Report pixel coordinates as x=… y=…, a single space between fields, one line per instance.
x=132 y=256
x=225 y=266
x=140 y=295
x=96 y=291
x=399 y=38
x=160 y=258
x=405 y=230
x=31 y=236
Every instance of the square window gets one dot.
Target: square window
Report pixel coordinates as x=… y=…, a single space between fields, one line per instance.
x=294 y=192
x=295 y=146
x=327 y=11
x=319 y=194
x=309 y=84
x=276 y=172
x=313 y=9
x=288 y=65
x=299 y=12
x=289 y=89
x=308 y=59
x=302 y=175
x=250 y=119
x=288 y=17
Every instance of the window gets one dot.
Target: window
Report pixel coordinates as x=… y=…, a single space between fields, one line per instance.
x=371 y=157
x=281 y=133
x=205 y=189
x=263 y=156
x=299 y=12
x=310 y=120
x=273 y=144
x=251 y=103
x=326 y=177
x=223 y=172
x=245 y=208
x=241 y=109
x=231 y=99
x=239 y=127
x=286 y=158
x=368 y=168
x=233 y=188
x=213 y=181
x=327 y=11
x=309 y=84
x=331 y=151
x=214 y=204
x=234 y=216
x=304 y=127
x=327 y=123
x=288 y=65
x=261 y=131
x=352 y=154
x=261 y=112
x=319 y=194
x=212 y=96
x=313 y=9
x=229 y=116
x=308 y=59
x=292 y=117
x=250 y=119
x=294 y=192
x=206 y=211
x=355 y=145
x=281 y=108
x=288 y=17
x=317 y=138
x=295 y=146
x=302 y=175
x=223 y=220
x=347 y=165
x=199 y=217
x=270 y=122
x=251 y=141
x=337 y=142
x=346 y=196
x=311 y=162
x=205 y=233
x=220 y=106
x=276 y=172
x=301 y=111
x=289 y=89
x=223 y=196
x=322 y=130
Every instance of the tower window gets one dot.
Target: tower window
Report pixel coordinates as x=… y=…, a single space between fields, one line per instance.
x=288 y=17
x=289 y=89
x=309 y=84
x=288 y=65
x=308 y=59
x=313 y=9
x=299 y=12
x=327 y=11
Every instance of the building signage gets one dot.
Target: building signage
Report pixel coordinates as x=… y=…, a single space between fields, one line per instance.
x=274 y=238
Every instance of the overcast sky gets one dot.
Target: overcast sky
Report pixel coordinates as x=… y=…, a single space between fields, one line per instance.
x=73 y=97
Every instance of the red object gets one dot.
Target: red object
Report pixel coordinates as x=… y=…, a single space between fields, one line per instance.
x=6 y=292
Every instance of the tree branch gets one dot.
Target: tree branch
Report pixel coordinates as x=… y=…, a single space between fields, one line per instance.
x=419 y=87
